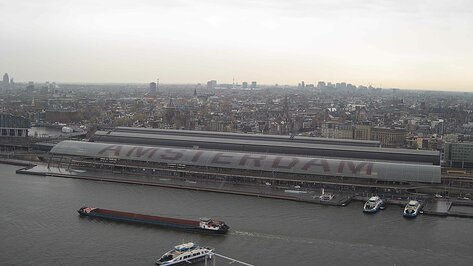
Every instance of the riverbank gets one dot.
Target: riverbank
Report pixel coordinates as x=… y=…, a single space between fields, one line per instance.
x=434 y=207
x=263 y=191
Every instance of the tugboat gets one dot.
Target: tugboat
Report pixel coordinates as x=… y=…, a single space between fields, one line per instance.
x=412 y=209
x=204 y=225
x=185 y=254
x=374 y=204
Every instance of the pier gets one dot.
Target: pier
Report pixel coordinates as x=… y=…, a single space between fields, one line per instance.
x=437 y=207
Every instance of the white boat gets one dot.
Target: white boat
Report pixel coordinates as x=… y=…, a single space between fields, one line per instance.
x=185 y=254
x=326 y=196
x=67 y=130
x=374 y=204
x=412 y=209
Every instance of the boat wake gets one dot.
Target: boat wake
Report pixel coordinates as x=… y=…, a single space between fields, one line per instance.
x=274 y=237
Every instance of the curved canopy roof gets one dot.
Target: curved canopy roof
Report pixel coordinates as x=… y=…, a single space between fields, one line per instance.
x=251 y=161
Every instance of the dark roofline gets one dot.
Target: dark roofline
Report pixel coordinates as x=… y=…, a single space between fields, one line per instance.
x=267 y=143
x=301 y=139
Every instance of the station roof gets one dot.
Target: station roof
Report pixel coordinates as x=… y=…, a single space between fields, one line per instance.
x=249 y=145
x=258 y=162
x=262 y=137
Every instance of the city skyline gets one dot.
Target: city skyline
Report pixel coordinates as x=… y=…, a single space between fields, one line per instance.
x=422 y=45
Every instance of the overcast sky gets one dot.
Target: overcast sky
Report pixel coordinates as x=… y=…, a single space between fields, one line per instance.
x=426 y=44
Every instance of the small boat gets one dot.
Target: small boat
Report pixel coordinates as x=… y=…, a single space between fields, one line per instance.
x=374 y=204
x=326 y=196
x=184 y=254
x=204 y=225
x=412 y=209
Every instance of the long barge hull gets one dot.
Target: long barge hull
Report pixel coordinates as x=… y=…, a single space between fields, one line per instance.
x=150 y=220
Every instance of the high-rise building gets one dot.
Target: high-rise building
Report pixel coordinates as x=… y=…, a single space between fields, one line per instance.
x=244 y=85
x=211 y=84
x=6 y=80
x=153 y=88
x=253 y=84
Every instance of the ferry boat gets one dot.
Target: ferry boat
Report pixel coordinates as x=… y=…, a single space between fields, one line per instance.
x=373 y=205
x=204 y=225
x=412 y=209
x=185 y=254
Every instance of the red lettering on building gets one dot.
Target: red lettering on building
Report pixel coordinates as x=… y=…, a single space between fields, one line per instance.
x=256 y=160
x=171 y=155
x=277 y=163
x=356 y=169
x=220 y=157
x=317 y=162
x=142 y=151
x=196 y=156
x=112 y=148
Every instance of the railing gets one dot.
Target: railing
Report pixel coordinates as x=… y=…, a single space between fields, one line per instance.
x=231 y=260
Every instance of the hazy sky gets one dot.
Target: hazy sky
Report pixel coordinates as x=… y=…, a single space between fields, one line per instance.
x=390 y=43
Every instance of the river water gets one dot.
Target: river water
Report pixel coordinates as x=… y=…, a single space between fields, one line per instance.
x=39 y=225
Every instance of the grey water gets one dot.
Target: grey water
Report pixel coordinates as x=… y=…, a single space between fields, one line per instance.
x=39 y=225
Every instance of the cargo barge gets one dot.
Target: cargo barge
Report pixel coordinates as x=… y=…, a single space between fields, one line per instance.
x=204 y=225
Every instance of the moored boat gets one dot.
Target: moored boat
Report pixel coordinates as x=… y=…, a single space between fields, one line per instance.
x=373 y=205
x=412 y=209
x=204 y=225
x=326 y=196
x=185 y=254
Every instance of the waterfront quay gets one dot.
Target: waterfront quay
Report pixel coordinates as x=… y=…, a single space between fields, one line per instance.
x=342 y=194
x=263 y=190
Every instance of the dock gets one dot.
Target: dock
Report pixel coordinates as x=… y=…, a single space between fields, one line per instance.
x=431 y=206
x=437 y=207
x=255 y=190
